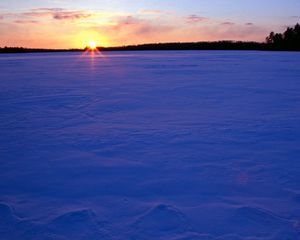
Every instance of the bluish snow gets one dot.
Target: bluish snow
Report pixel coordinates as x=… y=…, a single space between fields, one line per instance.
x=150 y=145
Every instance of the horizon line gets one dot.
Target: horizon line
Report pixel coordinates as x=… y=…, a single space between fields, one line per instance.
x=132 y=45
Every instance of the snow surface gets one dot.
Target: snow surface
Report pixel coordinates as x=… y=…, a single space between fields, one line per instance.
x=150 y=145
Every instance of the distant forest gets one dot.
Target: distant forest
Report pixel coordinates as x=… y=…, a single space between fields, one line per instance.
x=287 y=41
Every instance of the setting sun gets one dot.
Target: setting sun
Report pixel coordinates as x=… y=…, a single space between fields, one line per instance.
x=92 y=45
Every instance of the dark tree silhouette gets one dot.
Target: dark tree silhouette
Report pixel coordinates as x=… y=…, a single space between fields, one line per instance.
x=289 y=40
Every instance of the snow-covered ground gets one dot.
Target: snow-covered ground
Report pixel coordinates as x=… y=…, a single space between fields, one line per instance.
x=150 y=145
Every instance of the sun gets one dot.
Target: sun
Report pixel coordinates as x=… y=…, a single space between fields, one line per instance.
x=92 y=45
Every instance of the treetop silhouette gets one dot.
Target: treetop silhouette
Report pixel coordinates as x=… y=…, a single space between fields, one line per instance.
x=289 y=40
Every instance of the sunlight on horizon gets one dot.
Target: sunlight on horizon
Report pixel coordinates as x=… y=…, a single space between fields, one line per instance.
x=92 y=45
x=84 y=38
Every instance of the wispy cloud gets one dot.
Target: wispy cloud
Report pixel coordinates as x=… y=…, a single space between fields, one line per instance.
x=227 y=23
x=47 y=9
x=195 y=19
x=295 y=17
x=26 y=22
x=70 y=15
x=57 y=13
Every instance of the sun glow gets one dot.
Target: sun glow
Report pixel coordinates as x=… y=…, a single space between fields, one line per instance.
x=92 y=45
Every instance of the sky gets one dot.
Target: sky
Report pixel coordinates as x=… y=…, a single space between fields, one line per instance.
x=74 y=23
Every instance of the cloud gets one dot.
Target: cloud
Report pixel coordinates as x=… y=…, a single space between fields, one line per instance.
x=57 y=13
x=26 y=22
x=249 y=24
x=47 y=9
x=129 y=20
x=195 y=19
x=134 y=30
x=141 y=26
x=227 y=23
x=70 y=15
x=237 y=32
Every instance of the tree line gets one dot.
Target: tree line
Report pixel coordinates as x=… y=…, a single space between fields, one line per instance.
x=220 y=45
x=287 y=41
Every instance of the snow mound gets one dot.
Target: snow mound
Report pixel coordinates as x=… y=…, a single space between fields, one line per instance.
x=250 y=219
x=11 y=226
x=79 y=224
x=162 y=220
x=6 y=215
